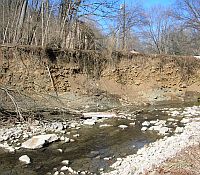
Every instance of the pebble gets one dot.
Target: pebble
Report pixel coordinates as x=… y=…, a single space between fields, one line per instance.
x=56 y=173
x=64 y=168
x=60 y=150
x=107 y=158
x=67 y=140
x=132 y=124
x=157 y=152
x=144 y=128
x=146 y=123
x=105 y=125
x=179 y=130
x=123 y=126
x=89 y=122
x=76 y=135
x=65 y=162
x=72 y=140
x=71 y=170
x=185 y=120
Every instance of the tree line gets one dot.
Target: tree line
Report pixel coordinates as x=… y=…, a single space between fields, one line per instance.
x=102 y=24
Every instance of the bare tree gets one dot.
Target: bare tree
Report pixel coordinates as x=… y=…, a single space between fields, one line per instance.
x=156 y=31
x=188 y=12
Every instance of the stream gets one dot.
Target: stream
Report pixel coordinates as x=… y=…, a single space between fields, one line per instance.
x=96 y=148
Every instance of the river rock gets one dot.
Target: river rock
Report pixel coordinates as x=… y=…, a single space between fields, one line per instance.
x=60 y=150
x=38 y=141
x=64 y=168
x=62 y=138
x=163 y=130
x=76 y=135
x=10 y=149
x=98 y=115
x=104 y=125
x=146 y=123
x=7 y=147
x=71 y=170
x=123 y=126
x=65 y=162
x=154 y=121
x=25 y=159
x=144 y=128
x=89 y=122
x=172 y=120
x=175 y=113
x=132 y=124
x=178 y=130
x=67 y=140
x=56 y=173
x=185 y=120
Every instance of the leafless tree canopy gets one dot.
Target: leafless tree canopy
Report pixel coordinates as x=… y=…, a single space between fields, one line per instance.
x=98 y=24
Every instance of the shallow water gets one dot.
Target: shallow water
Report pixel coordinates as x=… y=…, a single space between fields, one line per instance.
x=87 y=153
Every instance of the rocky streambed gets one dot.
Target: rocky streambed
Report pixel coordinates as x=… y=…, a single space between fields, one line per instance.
x=124 y=142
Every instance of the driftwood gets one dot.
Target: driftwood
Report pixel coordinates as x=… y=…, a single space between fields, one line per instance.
x=17 y=109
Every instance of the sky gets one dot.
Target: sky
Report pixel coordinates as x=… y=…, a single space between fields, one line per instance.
x=150 y=3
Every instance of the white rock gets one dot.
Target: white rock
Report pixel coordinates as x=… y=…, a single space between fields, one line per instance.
x=107 y=158
x=73 y=125
x=89 y=122
x=70 y=170
x=154 y=121
x=171 y=120
x=62 y=138
x=185 y=120
x=155 y=128
x=67 y=140
x=105 y=125
x=175 y=113
x=60 y=150
x=179 y=130
x=132 y=124
x=7 y=147
x=146 y=123
x=25 y=159
x=76 y=135
x=10 y=149
x=123 y=126
x=38 y=141
x=163 y=130
x=144 y=128
x=198 y=57
x=99 y=115
x=56 y=173
x=65 y=162
x=64 y=168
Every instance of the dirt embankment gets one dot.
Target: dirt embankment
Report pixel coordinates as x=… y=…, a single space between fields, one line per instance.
x=79 y=79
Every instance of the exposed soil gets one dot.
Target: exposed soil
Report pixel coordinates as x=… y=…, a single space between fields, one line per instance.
x=187 y=162
x=69 y=79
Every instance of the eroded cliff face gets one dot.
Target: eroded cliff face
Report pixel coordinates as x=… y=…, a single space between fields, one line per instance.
x=73 y=77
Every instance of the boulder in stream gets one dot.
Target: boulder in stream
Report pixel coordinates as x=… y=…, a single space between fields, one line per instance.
x=39 y=141
x=25 y=159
